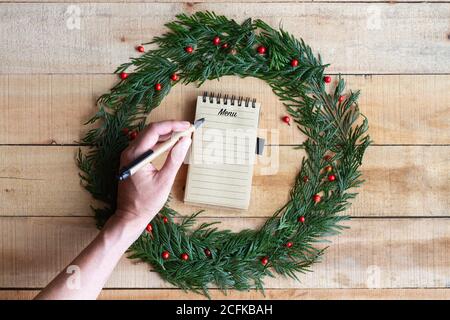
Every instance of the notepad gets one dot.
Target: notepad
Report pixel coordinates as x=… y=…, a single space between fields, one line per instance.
x=223 y=152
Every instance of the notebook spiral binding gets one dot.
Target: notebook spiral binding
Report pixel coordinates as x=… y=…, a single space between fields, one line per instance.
x=226 y=99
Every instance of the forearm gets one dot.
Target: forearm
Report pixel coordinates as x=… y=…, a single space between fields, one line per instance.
x=95 y=263
x=139 y=198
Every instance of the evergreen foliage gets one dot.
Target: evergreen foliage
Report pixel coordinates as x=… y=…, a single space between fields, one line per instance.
x=334 y=128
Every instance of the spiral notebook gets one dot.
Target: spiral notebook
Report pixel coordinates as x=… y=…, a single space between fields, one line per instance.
x=223 y=151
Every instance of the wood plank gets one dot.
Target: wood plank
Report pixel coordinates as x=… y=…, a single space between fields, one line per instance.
x=355 y=38
x=400 y=181
x=270 y=294
x=48 y=108
x=188 y=2
x=402 y=109
x=373 y=253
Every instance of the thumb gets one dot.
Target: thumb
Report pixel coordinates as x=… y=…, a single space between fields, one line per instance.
x=175 y=159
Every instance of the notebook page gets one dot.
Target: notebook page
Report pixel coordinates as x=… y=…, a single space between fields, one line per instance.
x=222 y=155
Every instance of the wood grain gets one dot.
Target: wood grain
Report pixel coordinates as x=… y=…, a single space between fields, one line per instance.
x=270 y=294
x=402 y=109
x=373 y=253
x=400 y=181
x=354 y=37
x=187 y=2
x=396 y=53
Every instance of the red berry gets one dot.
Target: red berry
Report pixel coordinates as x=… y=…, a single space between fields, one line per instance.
x=165 y=255
x=225 y=45
x=264 y=260
x=125 y=131
x=301 y=219
x=158 y=86
x=331 y=177
x=189 y=49
x=287 y=120
x=328 y=168
x=341 y=98
x=294 y=63
x=327 y=157
x=305 y=179
x=289 y=244
x=261 y=50
x=123 y=75
x=327 y=79
x=140 y=48
x=207 y=252
x=174 y=77
x=165 y=220
x=149 y=227
x=216 y=41
x=316 y=198
x=184 y=256
x=133 y=135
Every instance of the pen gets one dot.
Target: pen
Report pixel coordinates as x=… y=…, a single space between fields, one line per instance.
x=152 y=154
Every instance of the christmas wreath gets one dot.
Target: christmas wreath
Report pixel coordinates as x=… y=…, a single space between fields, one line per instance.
x=206 y=46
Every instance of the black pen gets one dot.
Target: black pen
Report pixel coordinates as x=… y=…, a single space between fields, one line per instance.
x=151 y=155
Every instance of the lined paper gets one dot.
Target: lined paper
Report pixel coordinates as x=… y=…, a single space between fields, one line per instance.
x=222 y=154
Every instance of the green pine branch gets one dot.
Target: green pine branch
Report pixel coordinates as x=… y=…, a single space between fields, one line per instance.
x=332 y=128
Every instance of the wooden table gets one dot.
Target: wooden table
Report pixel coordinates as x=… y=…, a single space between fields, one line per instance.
x=57 y=58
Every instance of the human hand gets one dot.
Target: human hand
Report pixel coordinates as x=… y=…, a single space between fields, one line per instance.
x=142 y=196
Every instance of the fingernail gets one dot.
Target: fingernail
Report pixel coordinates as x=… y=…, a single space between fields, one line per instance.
x=186 y=123
x=180 y=150
x=187 y=141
